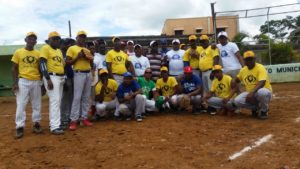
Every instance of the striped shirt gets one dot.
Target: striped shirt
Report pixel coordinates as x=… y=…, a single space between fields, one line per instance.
x=155 y=65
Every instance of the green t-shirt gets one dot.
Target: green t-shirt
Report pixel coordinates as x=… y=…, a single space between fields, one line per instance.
x=146 y=86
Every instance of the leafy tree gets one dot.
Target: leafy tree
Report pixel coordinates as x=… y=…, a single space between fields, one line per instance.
x=238 y=39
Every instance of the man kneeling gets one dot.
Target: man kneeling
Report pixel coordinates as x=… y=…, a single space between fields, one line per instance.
x=130 y=98
x=105 y=92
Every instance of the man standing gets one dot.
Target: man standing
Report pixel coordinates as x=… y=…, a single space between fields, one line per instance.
x=140 y=63
x=27 y=84
x=52 y=66
x=192 y=55
x=221 y=93
x=174 y=59
x=67 y=96
x=80 y=58
x=190 y=86
x=117 y=61
x=155 y=60
x=258 y=88
x=130 y=98
x=105 y=92
x=230 y=55
x=130 y=48
x=208 y=58
x=164 y=47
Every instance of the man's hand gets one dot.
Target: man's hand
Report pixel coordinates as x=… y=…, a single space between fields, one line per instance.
x=15 y=87
x=128 y=97
x=250 y=97
x=50 y=84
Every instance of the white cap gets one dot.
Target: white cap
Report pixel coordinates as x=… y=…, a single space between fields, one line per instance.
x=222 y=33
x=176 y=40
x=130 y=41
x=152 y=42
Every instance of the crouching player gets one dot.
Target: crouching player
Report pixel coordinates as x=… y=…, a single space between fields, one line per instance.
x=105 y=92
x=221 y=92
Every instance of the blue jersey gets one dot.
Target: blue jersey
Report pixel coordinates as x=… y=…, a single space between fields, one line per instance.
x=191 y=85
x=126 y=90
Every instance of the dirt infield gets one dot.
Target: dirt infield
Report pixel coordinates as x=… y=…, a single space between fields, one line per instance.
x=161 y=141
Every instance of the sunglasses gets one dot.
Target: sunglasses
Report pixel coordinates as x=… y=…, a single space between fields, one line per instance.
x=148 y=72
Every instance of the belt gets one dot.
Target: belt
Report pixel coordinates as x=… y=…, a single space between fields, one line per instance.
x=56 y=74
x=82 y=71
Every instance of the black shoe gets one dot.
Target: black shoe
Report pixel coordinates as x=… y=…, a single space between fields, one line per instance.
x=57 y=131
x=37 y=129
x=139 y=118
x=263 y=115
x=119 y=117
x=212 y=111
x=64 y=125
x=254 y=113
x=128 y=117
x=19 y=132
x=99 y=118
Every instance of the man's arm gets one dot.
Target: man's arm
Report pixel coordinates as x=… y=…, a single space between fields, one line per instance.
x=71 y=61
x=100 y=97
x=130 y=67
x=108 y=65
x=240 y=58
x=44 y=70
x=195 y=92
x=15 y=76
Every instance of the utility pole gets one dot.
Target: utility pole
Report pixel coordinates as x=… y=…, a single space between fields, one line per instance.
x=70 y=32
x=213 y=14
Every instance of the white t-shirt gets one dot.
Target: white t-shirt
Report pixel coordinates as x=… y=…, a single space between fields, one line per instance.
x=227 y=54
x=175 y=59
x=140 y=64
x=130 y=53
x=99 y=63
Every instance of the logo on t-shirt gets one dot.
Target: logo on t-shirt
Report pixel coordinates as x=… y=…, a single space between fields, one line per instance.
x=250 y=79
x=138 y=65
x=166 y=87
x=118 y=58
x=189 y=87
x=57 y=59
x=220 y=86
x=176 y=57
x=107 y=91
x=104 y=63
x=224 y=53
x=29 y=60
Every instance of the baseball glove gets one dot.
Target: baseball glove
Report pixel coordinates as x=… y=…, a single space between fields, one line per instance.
x=185 y=103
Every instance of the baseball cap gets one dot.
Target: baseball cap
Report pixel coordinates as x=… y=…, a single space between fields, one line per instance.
x=222 y=33
x=217 y=67
x=204 y=37
x=130 y=41
x=152 y=42
x=102 y=71
x=81 y=33
x=188 y=69
x=127 y=74
x=175 y=41
x=114 y=38
x=137 y=45
x=192 y=37
x=30 y=34
x=249 y=54
x=164 y=68
x=53 y=34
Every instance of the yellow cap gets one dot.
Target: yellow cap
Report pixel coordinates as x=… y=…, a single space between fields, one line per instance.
x=192 y=37
x=204 y=37
x=164 y=68
x=217 y=67
x=53 y=34
x=114 y=38
x=81 y=33
x=249 y=54
x=101 y=71
x=30 y=34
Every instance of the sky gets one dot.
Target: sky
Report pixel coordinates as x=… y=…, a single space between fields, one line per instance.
x=117 y=17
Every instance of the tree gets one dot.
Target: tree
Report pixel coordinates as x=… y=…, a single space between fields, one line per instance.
x=238 y=39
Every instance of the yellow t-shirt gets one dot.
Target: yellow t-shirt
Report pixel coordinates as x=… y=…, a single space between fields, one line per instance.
x=117 y=60
x=167 y=88
x=81 y=64
x=28 y=62
x=221 y=88
x=194 y=61
x=111 y=88
x=250 y=78
x=55 y=60
x=207 y=56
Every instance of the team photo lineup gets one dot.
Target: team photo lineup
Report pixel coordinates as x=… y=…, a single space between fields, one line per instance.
x=87 y=83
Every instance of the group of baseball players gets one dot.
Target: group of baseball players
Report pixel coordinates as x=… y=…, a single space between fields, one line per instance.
x=85 y=83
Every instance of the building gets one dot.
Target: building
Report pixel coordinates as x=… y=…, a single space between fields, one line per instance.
x=201 y=25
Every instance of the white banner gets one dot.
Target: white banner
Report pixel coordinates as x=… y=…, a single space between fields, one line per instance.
x=284 y=72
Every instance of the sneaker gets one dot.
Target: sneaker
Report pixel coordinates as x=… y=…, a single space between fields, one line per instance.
x=254 y=113
x=99 y=118
x=211 y=110
x=64 y=125
x=263 y=115
x=86 y=122
x=57 y=131
x=139 y=118
x=37 y=129
x=19 y=132
x=73 y=125
x=128 y=117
